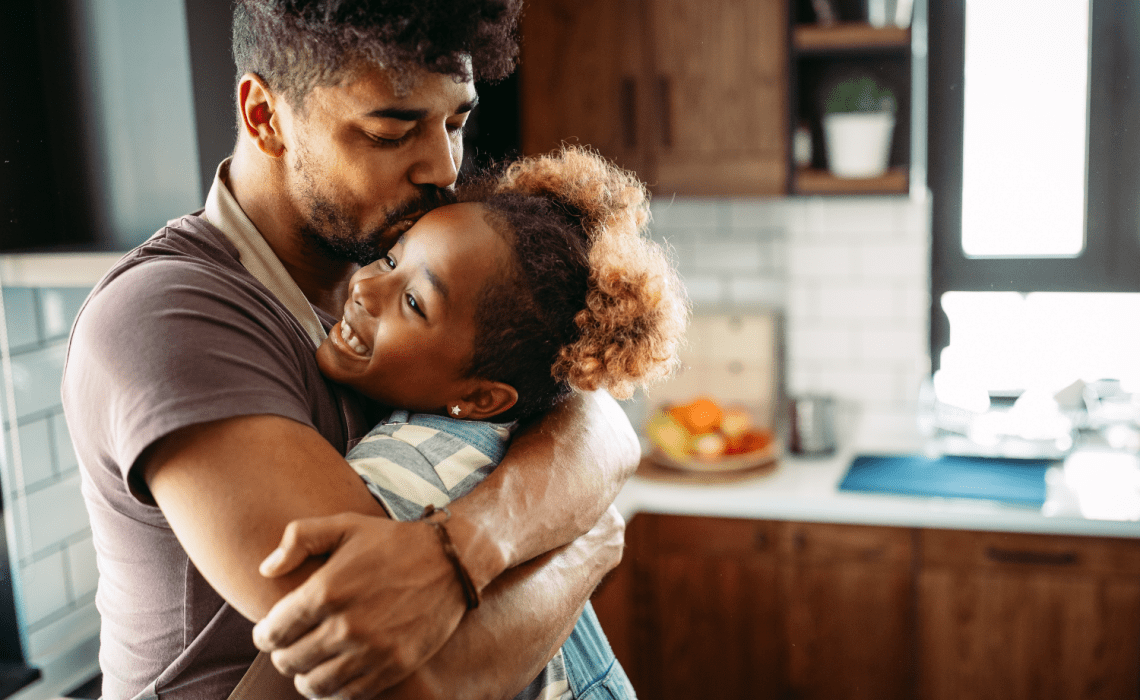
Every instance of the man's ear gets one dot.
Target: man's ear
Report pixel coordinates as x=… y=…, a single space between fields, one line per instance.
x=259 y=116
x=487 y=399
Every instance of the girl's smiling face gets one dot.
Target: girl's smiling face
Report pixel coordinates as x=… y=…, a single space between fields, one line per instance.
x=408 y=330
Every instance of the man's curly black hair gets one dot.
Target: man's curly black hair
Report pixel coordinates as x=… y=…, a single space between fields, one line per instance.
x=296 y=45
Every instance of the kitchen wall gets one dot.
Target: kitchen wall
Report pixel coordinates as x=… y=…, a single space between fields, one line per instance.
x=54 y=564
x=852 y=276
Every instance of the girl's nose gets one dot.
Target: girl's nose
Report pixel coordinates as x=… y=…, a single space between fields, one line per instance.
x=366 y=290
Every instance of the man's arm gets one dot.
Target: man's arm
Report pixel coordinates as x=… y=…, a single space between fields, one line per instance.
x=514 y=615
x=399 y=598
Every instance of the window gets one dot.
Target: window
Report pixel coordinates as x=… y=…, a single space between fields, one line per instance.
x=1035 y=173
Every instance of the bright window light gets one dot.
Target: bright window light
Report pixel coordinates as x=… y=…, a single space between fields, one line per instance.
x=1007 y=341
x=1025 y=124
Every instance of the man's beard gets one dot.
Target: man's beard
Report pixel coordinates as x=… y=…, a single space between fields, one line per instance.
x=338 y=236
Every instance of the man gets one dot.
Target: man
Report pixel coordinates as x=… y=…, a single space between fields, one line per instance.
x=204 y=428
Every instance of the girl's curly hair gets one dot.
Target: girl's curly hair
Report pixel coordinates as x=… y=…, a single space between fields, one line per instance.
x=588 y=301
x=296 y=45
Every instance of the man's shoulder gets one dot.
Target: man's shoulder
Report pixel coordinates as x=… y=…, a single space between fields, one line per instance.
x=187 y=245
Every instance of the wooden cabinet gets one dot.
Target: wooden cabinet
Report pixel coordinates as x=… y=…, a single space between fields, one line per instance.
x=849 y=613
x=730 y=608
x=693 y=96
x=1028 y=617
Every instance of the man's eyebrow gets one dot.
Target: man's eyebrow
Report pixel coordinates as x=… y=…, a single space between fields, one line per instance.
x=414 y=115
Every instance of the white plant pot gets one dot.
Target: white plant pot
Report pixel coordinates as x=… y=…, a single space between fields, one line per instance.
x=858 y=143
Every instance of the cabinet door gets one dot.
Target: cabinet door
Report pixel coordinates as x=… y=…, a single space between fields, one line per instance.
x=720 y=96
x=1028 y=617
x=581 y=77
x=849 y=618
x=709 y=619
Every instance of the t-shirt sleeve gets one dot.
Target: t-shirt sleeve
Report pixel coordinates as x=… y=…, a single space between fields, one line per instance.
x=169 y=344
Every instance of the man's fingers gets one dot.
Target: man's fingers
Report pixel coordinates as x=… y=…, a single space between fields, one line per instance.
x=331 y=678
x=311 y=650
x=295 y=614
x=303 y=539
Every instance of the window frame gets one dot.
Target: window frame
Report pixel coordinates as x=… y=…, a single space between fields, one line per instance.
x=1110 y=261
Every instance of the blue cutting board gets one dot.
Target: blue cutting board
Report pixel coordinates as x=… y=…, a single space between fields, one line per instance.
x=1020 y=481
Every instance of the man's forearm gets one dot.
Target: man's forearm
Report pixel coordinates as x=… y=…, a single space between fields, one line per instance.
x=493 y=653
x=557 y=479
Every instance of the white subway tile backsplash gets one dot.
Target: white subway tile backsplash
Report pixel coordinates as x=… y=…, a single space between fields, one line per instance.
x=869 y=218
x=753 y=214
x=57 y=512
x=35 y=451
x=757 y=291
x=901 y=344
x=704 y=289
x=37 y=376
x=81 y=563
x=870 y=302
x=832 y=262
x=64 y=451
x=728 y=256
x=58 y=307
x=43 y=588
x=803 y=300
x=821 y=343
x=80 y=622
x=20 y=314
x=681 y=213
x=904 y=260
x=862 y=384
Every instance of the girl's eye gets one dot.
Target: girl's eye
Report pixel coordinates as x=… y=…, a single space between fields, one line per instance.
x=389 y=262
x=415 y=305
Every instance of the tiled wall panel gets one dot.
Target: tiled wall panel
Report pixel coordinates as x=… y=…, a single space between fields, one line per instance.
x=51 y=538
x=851 y=275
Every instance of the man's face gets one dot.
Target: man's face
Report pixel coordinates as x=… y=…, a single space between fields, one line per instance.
x=365 y=160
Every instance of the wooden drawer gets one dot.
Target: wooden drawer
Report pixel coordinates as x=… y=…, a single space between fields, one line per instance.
x=710 y=536
x=834 y=544
x=992 y=550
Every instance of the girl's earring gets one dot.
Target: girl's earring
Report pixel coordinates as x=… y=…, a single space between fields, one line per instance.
x=455 y=410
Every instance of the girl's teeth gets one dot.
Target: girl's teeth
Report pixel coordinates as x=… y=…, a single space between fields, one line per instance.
x=350 y=338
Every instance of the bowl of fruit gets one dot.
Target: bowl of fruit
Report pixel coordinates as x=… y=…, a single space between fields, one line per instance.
x=704 y=436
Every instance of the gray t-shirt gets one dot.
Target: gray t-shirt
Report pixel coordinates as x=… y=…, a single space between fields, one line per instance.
x=178 y=333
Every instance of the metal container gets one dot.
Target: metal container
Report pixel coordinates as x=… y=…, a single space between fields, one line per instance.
x=813 y=425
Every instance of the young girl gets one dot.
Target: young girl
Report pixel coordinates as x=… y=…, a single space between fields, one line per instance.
x=490 y=311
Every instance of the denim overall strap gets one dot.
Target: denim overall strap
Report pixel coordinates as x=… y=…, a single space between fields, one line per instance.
x=593 y=671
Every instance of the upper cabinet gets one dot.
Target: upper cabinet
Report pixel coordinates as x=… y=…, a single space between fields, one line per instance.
x=705 y=97
x=692 y=96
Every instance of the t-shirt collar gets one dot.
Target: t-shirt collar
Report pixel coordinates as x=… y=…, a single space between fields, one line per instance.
x=224 y=212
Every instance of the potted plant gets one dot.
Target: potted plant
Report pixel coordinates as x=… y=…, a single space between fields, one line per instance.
x=859 y=119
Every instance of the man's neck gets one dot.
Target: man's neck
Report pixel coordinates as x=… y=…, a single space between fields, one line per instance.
x=323 y=281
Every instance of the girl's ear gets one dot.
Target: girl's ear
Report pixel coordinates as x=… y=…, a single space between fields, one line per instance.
x=488 y=399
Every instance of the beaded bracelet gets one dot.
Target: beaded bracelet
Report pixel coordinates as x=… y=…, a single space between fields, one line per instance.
x=470 y=593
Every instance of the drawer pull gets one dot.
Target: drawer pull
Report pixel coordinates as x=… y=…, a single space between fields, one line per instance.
x=1018 y=556
x=628 y=100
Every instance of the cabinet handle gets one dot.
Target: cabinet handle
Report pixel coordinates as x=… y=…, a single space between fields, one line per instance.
x=665 y=109
x=628 y=101
x=1017 y=556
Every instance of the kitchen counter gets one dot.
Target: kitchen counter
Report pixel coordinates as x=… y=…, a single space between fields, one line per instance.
x=55 y=269
x=806 y=490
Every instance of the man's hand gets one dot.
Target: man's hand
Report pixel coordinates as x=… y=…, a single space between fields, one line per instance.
x=352 y=630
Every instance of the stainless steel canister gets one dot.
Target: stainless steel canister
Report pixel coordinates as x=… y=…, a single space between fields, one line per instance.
x=813 y=425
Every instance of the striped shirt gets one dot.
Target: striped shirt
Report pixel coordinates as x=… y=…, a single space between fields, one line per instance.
x=411 y=460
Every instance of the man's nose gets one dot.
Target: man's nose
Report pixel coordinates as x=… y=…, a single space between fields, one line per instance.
x=439 y=158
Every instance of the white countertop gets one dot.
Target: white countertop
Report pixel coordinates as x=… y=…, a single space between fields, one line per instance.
x=55 y=269
x=806 y=490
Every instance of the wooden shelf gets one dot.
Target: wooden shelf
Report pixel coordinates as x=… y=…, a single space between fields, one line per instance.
x=814 y=181
x=848 y=36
